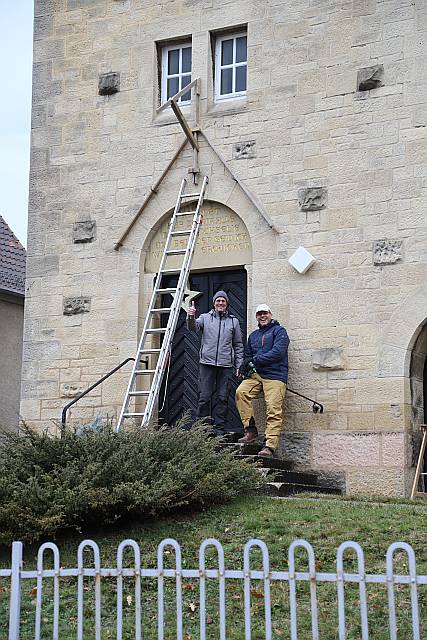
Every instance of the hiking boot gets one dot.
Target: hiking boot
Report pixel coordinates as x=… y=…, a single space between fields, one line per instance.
x=250 y=436
x=266 y=452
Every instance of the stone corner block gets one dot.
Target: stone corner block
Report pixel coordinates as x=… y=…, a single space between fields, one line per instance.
x=108 y=83
x=84 y=231
x=370 y=77
x=73 y=306
x=387 y=251
x=244 y=150
x=329 y=359
x=312 y=198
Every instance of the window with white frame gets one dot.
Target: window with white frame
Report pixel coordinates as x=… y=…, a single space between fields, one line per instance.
x=231 y=65
x=176 y=71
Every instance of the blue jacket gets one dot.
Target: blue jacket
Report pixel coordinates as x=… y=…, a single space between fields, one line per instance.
x=268 y=349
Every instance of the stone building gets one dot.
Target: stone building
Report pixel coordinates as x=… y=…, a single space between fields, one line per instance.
x=12 y=292
x=313 y=119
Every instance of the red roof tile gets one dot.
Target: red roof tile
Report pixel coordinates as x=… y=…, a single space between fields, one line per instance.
x=12 y=261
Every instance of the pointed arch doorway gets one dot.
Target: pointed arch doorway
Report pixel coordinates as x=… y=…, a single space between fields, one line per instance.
x=222 y=260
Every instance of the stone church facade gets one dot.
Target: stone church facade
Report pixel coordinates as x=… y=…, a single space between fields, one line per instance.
x=315 y=121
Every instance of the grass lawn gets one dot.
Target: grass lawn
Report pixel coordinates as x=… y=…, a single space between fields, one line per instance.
x=325 y=524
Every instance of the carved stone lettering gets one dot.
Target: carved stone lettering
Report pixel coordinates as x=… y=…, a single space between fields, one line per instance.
x=108 y=83
x=84 y=231
x=244 y=150
x=370 y=77
x=223 y=240
x=330 y=359
x=73 y=306
x=387 y=251
x=312 y=198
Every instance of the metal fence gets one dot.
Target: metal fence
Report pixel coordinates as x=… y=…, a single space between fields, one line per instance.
x=266 y=577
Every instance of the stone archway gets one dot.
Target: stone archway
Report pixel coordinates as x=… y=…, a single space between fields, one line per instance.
x=400 y=335
x=222 y=255
x=417 y=377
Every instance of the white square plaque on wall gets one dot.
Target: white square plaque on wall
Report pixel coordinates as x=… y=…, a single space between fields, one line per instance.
x=301 y=260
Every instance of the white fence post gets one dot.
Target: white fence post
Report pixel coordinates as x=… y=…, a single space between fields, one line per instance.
x=15 y=591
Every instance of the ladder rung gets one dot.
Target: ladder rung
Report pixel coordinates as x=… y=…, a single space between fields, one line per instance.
x=167 y=290
x=140 y=372
x=149 y=351
x=158 y=330
x=190 y=195
x=170 y=271
x=176 y=252
x=186 y=213
x=129 y=415
x=161 y=310
x=184 y=232
x=139 y=393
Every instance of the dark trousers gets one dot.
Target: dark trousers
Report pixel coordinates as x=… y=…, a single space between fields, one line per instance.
x=213 y=393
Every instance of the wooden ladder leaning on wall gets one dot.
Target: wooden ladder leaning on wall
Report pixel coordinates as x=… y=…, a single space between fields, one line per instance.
x=420 y=476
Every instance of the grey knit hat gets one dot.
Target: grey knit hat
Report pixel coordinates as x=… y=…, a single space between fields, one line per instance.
x=221 y=294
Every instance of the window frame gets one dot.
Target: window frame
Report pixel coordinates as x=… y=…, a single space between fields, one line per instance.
x=182 y=44
x=219 y=39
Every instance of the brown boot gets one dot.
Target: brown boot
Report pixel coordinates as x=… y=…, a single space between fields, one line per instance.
x=250 y=436
x=266 y=452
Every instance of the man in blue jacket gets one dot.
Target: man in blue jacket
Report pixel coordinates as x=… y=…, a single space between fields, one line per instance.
x=266 y=356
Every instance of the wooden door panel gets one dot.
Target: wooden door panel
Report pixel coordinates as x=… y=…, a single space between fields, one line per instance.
x=182 y=384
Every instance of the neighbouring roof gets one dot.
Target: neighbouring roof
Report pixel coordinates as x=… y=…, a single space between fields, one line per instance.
x=12 y=261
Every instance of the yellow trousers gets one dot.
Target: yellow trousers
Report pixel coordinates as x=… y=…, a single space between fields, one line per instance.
x=274 y=394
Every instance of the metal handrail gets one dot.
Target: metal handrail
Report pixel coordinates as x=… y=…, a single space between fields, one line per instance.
x=317 y=406
x=86 y=391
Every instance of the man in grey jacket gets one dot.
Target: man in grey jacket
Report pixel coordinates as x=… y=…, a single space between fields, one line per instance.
x=221 y=350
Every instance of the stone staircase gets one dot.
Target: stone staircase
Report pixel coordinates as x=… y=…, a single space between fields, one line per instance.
x=282 y=478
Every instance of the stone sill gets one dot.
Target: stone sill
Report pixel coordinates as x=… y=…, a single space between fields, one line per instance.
x=227 y=107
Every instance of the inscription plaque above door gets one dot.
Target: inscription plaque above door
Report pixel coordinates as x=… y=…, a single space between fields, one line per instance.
x=223 y=240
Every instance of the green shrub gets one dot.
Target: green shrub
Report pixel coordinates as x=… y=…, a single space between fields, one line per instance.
x=50 y=484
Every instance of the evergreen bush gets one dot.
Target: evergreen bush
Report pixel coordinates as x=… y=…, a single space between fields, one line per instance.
x=89 y=477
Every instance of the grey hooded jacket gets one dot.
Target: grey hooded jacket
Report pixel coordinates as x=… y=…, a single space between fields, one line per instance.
x=222 y=344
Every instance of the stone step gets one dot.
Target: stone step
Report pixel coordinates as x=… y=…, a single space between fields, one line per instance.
x=249 y=449
x=280 y=489
x=270 y=463
x=300 y=477
x=282 y=476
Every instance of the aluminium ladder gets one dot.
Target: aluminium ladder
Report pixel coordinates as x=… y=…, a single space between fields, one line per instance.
x=155 y=312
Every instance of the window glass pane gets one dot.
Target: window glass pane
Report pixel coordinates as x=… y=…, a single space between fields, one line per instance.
x=173 y=87
x=186 y=59
x=184 y=81
x=241 y=78
x=227 y=52
x=241 y=49
x=173 y=61
x=226 y=81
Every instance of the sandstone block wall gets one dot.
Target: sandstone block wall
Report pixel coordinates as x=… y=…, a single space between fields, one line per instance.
x=339 y=170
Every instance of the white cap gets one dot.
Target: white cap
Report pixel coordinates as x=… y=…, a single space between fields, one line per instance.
x=262 y=307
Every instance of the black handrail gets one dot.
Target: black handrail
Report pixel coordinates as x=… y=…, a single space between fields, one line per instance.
x=86 y=391
x=317 y=406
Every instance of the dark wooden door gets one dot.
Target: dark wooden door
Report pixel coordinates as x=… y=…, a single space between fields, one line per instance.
x=180 y=391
